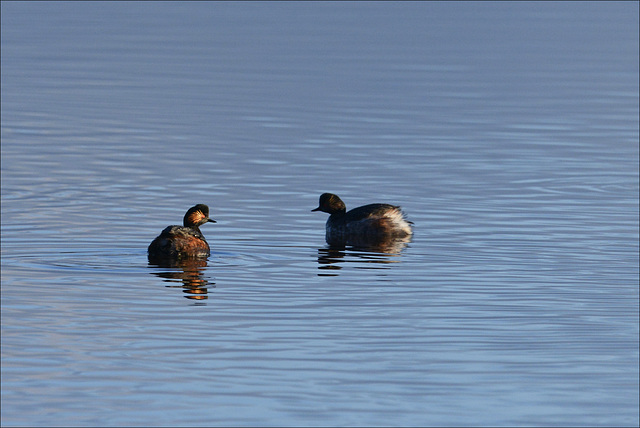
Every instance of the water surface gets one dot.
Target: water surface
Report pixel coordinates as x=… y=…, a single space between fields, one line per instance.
x=508 y=132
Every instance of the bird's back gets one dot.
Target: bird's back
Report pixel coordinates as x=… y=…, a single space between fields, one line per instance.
x=373 y=221
x=179 y=241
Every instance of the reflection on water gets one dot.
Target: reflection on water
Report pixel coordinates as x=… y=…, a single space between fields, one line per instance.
x=387 y=244
x=381 y=251
x=189 y=273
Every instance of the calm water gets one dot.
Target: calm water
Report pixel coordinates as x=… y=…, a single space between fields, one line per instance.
x=507 y=131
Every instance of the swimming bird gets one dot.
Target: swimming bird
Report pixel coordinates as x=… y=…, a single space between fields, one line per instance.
x=367 y=224
x=183 y=241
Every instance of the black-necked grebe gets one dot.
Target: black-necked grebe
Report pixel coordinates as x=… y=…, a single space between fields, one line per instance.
x=183 y=241
x=368 y=223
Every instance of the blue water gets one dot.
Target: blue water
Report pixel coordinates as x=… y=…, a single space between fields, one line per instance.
x=507 y=131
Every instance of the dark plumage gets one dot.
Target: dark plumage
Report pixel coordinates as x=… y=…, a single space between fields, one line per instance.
x=183 y=241
x=365 y=224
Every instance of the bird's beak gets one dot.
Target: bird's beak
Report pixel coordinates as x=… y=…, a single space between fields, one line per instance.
x=211 y=220
x=317 y=209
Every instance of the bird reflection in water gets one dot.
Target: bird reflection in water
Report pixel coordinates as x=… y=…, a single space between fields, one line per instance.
x=187 y=273
x=361 y=251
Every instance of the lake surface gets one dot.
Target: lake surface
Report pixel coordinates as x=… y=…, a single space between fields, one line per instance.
x=507 y=131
